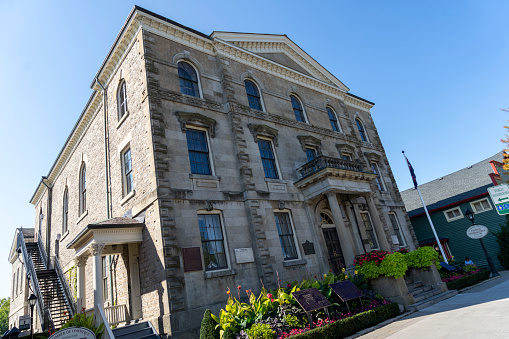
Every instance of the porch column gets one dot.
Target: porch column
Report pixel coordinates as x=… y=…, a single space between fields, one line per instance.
x=97 y=251
x=81 y=263
x=344 y=238
x=134 y=272
x=375 y=217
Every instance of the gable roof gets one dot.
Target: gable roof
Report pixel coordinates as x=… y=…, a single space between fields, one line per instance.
x=466 y=183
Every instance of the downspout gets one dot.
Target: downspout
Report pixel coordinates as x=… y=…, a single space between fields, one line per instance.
x=107 y=175
x=48 y=223
x=356 y=223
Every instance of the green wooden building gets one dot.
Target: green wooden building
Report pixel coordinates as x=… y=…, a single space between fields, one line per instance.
x=447 y=199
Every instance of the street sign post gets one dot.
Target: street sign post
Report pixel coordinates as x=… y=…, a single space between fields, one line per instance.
x=500 y=196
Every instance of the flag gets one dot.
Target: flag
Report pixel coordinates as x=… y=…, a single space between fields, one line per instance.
x=412 y=173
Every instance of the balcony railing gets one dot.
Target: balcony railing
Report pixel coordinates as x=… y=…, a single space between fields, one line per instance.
x=322 y=162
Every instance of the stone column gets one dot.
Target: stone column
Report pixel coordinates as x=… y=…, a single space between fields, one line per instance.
x=344 y=238
x=81 y=263
x=379 y=229
x=97 y=251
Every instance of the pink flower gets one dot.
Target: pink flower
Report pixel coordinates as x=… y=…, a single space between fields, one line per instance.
x=269 y=295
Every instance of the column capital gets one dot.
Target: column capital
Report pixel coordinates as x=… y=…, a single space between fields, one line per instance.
x=97 y=248
x=81 y=260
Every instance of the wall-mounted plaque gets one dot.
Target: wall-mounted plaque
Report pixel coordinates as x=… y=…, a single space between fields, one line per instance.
x=244 y=255
x=311 y=299
x=308 y=247
x=192 y=259
x=346 y=290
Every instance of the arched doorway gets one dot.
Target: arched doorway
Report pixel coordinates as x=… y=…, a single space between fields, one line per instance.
x=330 y=235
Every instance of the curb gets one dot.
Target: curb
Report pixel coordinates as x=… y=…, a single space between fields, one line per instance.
x=380 y=325
x=478 y=284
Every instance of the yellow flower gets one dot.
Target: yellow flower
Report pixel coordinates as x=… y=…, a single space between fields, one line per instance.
x=325 y=275
x=355 y=272
x=346 y=277
x=343 y=270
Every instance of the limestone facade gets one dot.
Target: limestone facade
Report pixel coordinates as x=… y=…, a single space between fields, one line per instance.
x=344 y=199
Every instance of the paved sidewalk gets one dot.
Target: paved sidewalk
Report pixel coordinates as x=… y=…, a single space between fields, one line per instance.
x=481 y=312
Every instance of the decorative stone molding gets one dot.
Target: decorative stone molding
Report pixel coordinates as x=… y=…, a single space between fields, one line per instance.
x=373 y=156
x=81 y=260
x=292 y=90
x=308 y=140
x=281 y=205
x=345 y=148
x=186 y=55
x=209 y=206
x=96 y=248
x=196 y=118
x=264 y=131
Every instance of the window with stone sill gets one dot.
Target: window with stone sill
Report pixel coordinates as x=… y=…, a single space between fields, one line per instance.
x=310 y=153
x=286 y=235
x=122 y=99
x=370 y=232
x=212 y=240
x=127 y=172
x=198 y=149
x=188 y=79
x=268 y=159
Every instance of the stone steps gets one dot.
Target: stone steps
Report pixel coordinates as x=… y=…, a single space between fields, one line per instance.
x=432 y=300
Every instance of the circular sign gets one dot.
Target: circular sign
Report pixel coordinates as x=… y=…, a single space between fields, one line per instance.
x=477 y=231
x=74 y=333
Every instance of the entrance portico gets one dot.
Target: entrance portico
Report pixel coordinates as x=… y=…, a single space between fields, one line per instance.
x=107 y=238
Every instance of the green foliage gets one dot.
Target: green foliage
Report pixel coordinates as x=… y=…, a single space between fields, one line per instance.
x=229 y=334
x=208 y=327
x=295 y=322
x=81 y=320
x=348 y=326
x=422 y=257
x=394 y=265
x=5 y=305
x=469 y=280
x=369 y=269
x=503 y=242
x=261 y=331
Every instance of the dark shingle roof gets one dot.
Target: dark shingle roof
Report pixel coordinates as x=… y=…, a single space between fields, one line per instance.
x=463 y=184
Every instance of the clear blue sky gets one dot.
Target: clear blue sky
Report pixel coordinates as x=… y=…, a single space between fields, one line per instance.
x=437 y=70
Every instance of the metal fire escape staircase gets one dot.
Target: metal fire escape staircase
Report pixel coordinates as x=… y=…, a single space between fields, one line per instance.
x=55 y=304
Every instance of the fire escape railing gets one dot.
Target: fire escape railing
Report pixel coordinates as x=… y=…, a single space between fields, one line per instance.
x=69 y=298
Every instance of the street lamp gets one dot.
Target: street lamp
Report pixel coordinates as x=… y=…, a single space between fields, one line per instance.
x=471 y=216
x=32 y=299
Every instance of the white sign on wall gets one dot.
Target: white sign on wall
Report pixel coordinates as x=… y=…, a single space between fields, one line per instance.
x=74 y=333
x=244 y=255
x=24 y=322
x=477 y=231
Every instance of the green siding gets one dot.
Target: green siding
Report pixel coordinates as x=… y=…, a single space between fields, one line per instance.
x=460 y=244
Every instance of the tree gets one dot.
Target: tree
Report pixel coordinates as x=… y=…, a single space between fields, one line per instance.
x=5 y=305
x=506 y=142
x=503 y=242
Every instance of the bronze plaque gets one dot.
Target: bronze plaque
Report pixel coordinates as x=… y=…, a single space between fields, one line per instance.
x=346 y=290
x=308 y=247
x=311 y=299
x=192 y=259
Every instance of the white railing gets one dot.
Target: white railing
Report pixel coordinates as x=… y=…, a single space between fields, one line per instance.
x=108 y=333
x=117 y=314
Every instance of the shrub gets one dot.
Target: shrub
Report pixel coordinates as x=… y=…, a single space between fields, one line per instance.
x=422 y=257
x=261 y=331
x=394 y=265
x=381 y=263
x=208 y=327
x=81 y=320
x=348 y=326
x=295 y=322
x=503 y=242
x=229 y=334
x=468 y=280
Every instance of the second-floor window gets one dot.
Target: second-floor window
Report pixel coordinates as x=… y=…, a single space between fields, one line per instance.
x=397 y=228
x=333 y=120
x=127 y=171
x=198 y=149
x=362 y=131
x=268 y=159
x=122 y=100
x=297 y=109
x=83 y=189
x=188 y=79
x=253 y=96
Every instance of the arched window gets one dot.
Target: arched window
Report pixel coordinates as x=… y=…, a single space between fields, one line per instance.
x=83 y=189
x=326 y=219
x=65 y=211
x=297 y=109
x=188 y=79
x=333 y=120
x=253 y=95
x=122 y=100
x=362 y=131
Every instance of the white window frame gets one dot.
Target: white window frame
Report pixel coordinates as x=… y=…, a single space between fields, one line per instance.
x=401 y=234
x=295 y=240
x=453 y=218
x=119 y=100
x=123 y=169
x=280 y=174
x=211 y=157
x=380 y=178
x=478 y=201
x=225 y=240
x=373 y=229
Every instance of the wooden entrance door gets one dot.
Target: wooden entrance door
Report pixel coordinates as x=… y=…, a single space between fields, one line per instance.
x=336 y=260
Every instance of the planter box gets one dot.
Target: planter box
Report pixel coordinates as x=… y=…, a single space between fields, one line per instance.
x=394 y=290
x=428 y=276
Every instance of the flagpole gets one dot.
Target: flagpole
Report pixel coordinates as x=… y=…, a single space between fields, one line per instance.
x=425 y=209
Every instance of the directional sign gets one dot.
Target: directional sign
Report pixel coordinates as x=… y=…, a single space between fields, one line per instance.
x=500 y=197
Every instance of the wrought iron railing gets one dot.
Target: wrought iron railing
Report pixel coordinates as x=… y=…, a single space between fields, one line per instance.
x=322 y=162
x=42 y=311
x=116 y=314
x=69 y=296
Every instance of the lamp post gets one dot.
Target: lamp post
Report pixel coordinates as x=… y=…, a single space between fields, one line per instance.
x=470 y=216
x=32 y=299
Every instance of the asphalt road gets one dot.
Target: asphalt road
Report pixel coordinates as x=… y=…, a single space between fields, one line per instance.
x=480 y=312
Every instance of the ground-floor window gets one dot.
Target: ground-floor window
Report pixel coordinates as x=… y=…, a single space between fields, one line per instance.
x=212 y=241
x=285 y=231
x=370 y=232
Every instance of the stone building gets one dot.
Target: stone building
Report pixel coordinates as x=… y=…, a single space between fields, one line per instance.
x=205 y=162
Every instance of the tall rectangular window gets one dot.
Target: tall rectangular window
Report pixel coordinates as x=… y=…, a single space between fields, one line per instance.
x=268 y=159
x=376 y=170
x=127 y=170
x=310 y=153
x=198 y=151
x=370 y=232
x=212 y=241
x=105 y=277
x=397 y=229
x=285 y=231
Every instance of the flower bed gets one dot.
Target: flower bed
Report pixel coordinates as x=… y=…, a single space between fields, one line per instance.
x=455 y=282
